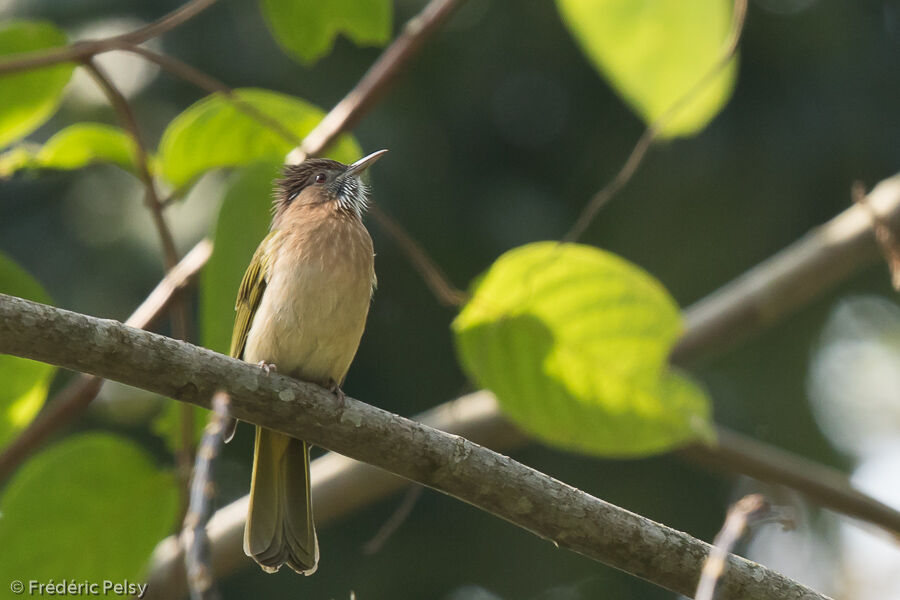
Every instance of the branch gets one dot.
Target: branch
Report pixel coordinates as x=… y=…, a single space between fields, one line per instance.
x=780 y=285
x=85 y=50
x=568 y=517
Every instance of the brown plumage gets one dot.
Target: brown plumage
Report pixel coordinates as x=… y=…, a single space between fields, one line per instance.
x=302 y=307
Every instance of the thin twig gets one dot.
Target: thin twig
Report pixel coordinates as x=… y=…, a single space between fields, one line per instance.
x=747 y=509
x=497 y=484
x=890 y=247
x=739 y=13
x=212 y=85
x=444 y=291
x=203 y=490
x=87 y=49
x=184 y=455
x=404 y=509
x=75 y=397
x=151 y=197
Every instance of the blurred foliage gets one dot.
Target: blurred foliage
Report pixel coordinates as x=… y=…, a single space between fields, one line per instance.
x=29 y=98
x=573 y=341
x=655 y=52
x=23 y=382
x=74 y=147
x=91 y=507
x=306 y=28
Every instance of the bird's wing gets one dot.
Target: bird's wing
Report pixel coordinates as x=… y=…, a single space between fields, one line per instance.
x=250 y=294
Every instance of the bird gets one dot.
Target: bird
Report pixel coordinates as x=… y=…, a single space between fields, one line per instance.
x=301 y=310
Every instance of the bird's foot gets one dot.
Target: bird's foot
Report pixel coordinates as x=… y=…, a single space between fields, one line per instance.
x=267 y=367
x=339 y=395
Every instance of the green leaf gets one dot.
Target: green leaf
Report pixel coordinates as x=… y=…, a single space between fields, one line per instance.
x=89 y=508
x=216 y=133
x=654 y=51
x=306 y=29
x=74 y=147
x=24 y=382
x=574 y=342
x=29 y=98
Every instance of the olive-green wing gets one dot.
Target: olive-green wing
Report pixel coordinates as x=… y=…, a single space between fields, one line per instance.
x=250 y=294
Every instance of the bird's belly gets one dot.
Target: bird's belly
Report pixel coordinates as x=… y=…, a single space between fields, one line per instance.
x=310 y=321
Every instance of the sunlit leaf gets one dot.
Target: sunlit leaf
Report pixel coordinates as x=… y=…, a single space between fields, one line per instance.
x=24 y=382
x=92 y=508
x=573 y=341
x=306 y=29
x=216 y=133
x=654 y=51
x=29 y=98
x=74 y=147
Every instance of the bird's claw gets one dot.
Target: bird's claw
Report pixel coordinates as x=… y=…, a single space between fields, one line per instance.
x=339 y=394
x=267 y=367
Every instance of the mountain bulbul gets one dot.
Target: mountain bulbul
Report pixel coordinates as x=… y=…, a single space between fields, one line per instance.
x=301 y=308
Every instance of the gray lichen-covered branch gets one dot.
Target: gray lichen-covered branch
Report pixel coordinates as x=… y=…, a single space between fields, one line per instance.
x=566 y=516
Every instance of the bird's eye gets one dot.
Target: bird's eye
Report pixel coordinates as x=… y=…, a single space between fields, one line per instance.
x=321 y=178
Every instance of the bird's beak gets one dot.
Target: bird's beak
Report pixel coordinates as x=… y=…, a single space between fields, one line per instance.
x=364 y=163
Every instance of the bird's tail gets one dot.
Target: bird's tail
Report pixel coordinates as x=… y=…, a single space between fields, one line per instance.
x=280 y=527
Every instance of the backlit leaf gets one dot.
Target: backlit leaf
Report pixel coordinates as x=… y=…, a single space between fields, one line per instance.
x=574 y=341
x=306 y=29
x=654 y=51
x=24 y=382
x=91 y=507
x=29 y=98
x=74 y=147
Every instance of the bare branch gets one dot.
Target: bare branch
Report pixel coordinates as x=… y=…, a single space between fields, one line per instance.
x=85 y=50
x=599 y=200
x=788 y=280
x=497 y=484
x=193 y=536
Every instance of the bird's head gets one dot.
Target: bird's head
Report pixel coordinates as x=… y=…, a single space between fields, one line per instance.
x=321 y=181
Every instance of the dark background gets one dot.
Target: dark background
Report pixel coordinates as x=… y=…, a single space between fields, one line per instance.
x=499 y=133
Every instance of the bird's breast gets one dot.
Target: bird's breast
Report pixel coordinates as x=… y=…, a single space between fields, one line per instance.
x=313 y=311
